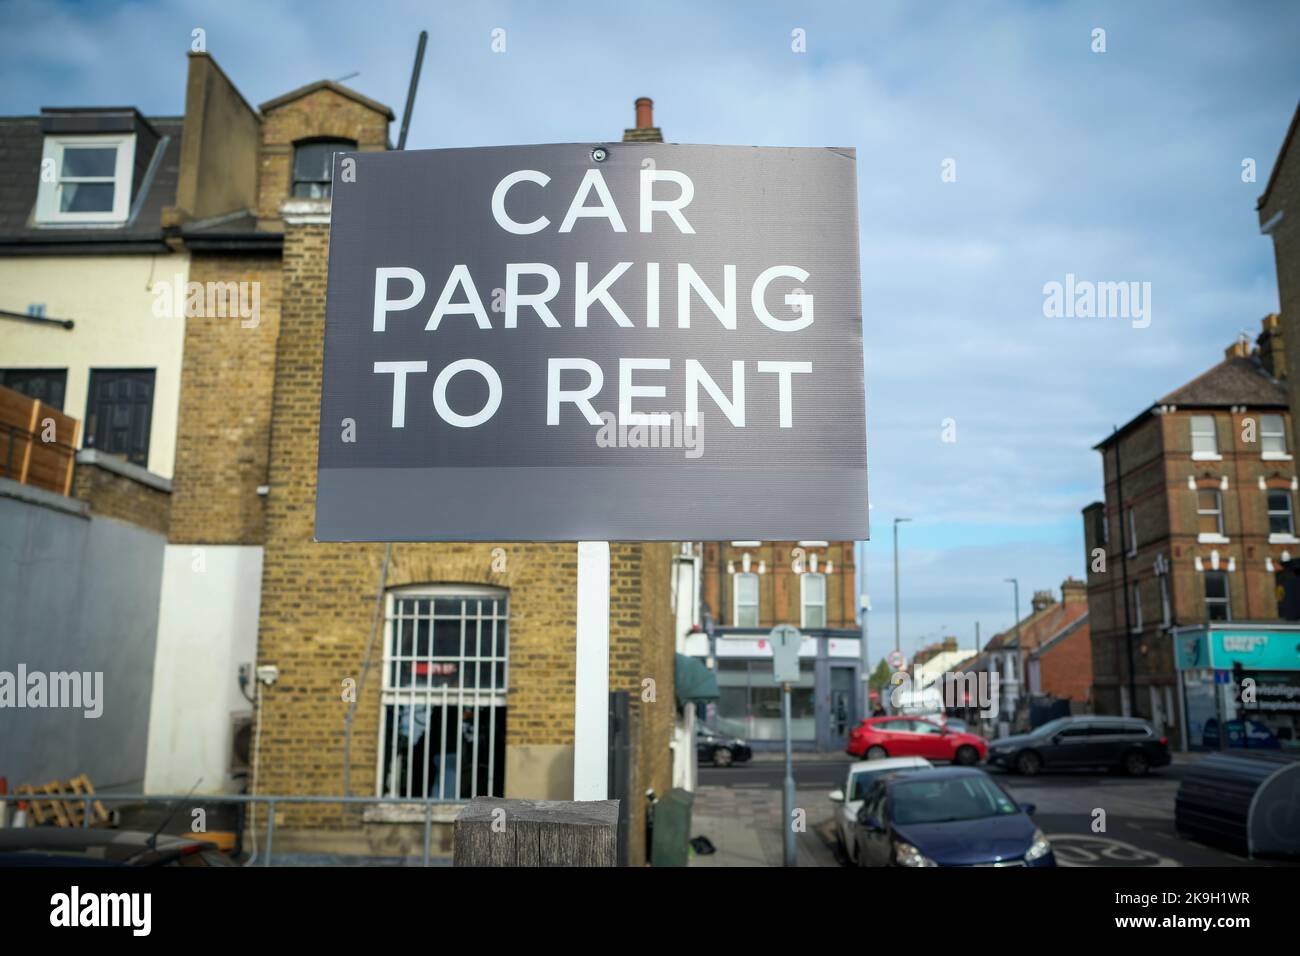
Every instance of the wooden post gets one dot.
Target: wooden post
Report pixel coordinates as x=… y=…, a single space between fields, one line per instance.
x=495 y=832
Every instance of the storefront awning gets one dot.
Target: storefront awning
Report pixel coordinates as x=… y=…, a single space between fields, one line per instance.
x=694 y=682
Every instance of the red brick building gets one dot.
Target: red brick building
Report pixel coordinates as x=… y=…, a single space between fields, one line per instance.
x=1199 y=510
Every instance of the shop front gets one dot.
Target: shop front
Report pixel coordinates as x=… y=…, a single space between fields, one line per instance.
x=1239 y=685
x=825 y=703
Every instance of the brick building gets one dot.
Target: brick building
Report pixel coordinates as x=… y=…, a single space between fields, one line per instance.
x=1206 y=514
x=1279 y=218
x=466 y=686
x=749 y=587
x=1041 y=661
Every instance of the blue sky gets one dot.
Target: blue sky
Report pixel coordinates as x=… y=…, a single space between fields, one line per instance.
x=1115 y=166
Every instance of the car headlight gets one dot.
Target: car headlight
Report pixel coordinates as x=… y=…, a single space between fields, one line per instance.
x=1039 y=848
x=907 y=855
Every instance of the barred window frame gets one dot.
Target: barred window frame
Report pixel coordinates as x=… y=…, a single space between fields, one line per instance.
x=409 y=680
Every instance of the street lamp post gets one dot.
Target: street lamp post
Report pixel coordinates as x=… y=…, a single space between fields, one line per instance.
x=1020 y=651
x=897 y=632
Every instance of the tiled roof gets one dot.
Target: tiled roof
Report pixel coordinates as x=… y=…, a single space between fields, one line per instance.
x=21 y=147
x=1234 y=381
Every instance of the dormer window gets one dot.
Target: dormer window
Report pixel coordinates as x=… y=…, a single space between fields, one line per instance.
x=85 y=179
x=313 y=166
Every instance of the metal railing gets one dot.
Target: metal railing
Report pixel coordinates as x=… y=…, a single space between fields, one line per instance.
x=271 y=800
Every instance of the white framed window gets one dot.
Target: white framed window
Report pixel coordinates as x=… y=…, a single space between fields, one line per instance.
x=1218 y=606
x=1137 y=607
x=744 y=600
x=442 y=725
x=812 y=600
x=1205 y=443
x=1281 y=520
x=86 y=179
x=1272 y=437
x=1132 y=533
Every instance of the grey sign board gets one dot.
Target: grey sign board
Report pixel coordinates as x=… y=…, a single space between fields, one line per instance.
x=785 y=639
x=625 y=341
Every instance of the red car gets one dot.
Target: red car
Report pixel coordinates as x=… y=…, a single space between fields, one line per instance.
x=878 y=737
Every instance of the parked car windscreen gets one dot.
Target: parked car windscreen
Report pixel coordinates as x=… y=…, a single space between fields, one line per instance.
x=1052 y=726
x=863 y=779
x=943 y=801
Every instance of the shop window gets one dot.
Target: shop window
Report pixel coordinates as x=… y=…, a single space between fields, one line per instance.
x=313 y=166
x=813 y=600
x=443 y=712
x=745 y=600
x=1218 y=606
x=749 y=702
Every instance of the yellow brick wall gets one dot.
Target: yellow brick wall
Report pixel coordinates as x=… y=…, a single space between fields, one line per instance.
x=223 y=439
x=117 y=496
x=320 y=114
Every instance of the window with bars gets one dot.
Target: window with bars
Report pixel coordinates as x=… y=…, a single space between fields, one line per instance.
x=443 y=720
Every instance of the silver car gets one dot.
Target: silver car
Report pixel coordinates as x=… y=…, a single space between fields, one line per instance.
x=860 y=776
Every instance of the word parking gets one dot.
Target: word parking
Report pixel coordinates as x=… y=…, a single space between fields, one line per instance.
x=595 y=297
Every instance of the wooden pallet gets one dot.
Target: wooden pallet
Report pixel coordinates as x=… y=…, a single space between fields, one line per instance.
x=45 y=808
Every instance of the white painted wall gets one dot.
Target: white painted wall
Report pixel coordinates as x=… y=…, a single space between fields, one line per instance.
x=108 y=298
x=207 y=627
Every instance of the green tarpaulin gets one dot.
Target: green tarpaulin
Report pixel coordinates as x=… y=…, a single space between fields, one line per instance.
x=695 y=683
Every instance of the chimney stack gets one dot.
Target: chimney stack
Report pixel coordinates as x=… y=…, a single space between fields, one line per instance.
x=645 y=131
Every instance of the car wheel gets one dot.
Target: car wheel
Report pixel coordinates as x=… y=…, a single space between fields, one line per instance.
x=876 y=752
x=967 y=755
x=721 y=757
x=1136 y=764
x=1028 y=763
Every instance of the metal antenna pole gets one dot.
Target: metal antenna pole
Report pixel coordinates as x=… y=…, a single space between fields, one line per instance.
x=410 y=93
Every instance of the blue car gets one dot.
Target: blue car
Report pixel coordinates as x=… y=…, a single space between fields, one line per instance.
x=949 y=816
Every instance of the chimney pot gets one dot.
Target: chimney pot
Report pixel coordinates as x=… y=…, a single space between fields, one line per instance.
x=645 y=113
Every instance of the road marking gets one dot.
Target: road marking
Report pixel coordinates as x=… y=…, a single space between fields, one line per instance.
x=1075 y=849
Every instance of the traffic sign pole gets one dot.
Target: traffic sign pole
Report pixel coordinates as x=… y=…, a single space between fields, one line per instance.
x=787 y=798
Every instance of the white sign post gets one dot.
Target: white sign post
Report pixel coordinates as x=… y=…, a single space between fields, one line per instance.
x=591 y=675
